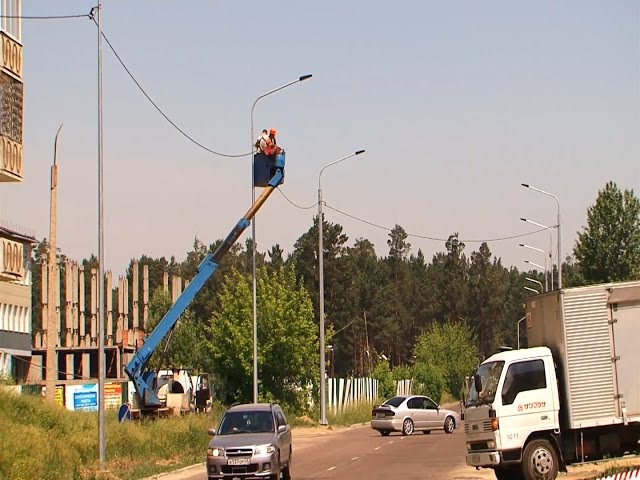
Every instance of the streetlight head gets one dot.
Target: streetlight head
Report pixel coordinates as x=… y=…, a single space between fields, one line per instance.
x=525 y=185
x=359 y=152
x=523 y=219
x=305 y=77
x=521 y=244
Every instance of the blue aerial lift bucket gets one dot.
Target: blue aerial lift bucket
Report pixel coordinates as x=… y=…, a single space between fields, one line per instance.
x=265 y=166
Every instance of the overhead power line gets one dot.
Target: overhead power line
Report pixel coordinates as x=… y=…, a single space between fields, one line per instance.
x=47 y=17
x=295 y=204
x=166 y=117
x=426 y=237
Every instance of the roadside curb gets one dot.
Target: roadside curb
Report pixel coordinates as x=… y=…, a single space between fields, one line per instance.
x=191 y=469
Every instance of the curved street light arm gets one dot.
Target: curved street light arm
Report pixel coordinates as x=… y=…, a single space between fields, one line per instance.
x=337 y=161
x=544 y=192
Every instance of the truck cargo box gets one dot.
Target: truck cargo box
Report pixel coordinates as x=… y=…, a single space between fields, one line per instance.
x=594 y=334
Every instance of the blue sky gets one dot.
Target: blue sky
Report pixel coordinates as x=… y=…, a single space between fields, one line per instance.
x=456 y=103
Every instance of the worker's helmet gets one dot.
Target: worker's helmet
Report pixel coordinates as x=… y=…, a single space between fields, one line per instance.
x=273 y=131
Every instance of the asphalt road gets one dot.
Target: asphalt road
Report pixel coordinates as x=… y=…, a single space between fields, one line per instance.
x=361 y=453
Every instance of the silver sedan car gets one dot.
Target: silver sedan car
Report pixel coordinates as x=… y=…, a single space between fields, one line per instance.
x=408 y=414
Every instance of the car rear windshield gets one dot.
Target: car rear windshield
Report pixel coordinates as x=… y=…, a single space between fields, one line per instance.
x=246 y=422
x=394 y=402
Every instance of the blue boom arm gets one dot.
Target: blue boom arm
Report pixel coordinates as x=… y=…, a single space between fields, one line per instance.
x=144 y=381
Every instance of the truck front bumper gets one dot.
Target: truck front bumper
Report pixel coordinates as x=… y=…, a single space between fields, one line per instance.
x=483 y=459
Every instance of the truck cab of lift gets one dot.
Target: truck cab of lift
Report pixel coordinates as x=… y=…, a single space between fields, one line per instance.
x=513 y=403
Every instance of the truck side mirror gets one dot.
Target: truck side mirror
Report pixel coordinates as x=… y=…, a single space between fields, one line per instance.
x=477 y=381
x=212 y=432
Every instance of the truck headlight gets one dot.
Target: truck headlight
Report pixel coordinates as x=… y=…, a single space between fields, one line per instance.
x=491 y=444
x=265 y=449
x=215 y=452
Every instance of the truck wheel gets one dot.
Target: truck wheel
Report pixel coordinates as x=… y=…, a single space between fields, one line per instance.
x=540 y=461
x=508 y=473
x=407 y=427
x=385 y=433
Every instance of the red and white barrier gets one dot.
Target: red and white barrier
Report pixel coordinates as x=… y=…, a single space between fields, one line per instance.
x=631 y=475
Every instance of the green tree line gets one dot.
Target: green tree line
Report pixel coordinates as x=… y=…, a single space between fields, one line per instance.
x=400 y=307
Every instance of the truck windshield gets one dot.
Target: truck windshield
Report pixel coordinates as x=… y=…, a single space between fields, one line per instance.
x=490 y=376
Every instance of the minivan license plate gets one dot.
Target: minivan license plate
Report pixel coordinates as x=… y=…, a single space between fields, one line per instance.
x=238 y=461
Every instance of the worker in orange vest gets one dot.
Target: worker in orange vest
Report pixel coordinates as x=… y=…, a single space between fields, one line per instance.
x=272 y=147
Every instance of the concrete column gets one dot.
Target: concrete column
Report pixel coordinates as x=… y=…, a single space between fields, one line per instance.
x=145 y=297
x=94 y=307
x=68 y=321
x=121 y=330
x=165 y=283
x=74 y=304
x=81 y=305
x=125 y=302
x=135 y=297
x=109 y=308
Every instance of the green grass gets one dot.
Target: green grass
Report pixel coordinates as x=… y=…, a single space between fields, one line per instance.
x=354 y=414
x=41 y=440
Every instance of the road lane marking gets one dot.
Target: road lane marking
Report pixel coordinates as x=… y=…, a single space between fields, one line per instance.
x=390 y=442
x=331 y=468
x=377 y=448
x=354 y=458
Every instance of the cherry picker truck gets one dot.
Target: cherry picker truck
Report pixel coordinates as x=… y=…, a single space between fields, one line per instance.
x=268 y=172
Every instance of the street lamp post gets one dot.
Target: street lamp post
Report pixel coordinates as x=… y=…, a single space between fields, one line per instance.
x=534 y=264
x=323 y=400
x=519 y=331
x=559 y=230
x=102 y=361
x=550 y=243
x=532 y=290
x=253 y=237
x=533 y=280
x=544 y=255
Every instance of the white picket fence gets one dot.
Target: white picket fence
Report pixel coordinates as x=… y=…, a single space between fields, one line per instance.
x=404 y=387
x=343 y=392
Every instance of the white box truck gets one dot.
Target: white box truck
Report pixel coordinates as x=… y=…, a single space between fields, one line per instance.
x=572 y=396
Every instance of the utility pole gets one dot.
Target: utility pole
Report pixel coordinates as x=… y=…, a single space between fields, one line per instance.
x=52 y=284
x=102 y=363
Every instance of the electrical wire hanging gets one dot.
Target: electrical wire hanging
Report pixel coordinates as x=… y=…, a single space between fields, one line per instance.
x=166 y=117
x=47 y=17
x=426 y=237
x=295 y=204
